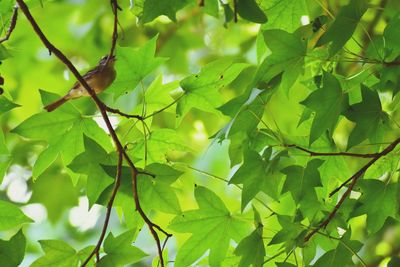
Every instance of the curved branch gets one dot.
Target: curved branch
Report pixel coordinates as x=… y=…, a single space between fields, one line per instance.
x=13 y=23
x=353 y=180
x=108 y=213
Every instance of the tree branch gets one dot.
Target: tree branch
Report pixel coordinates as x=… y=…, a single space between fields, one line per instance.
x=353 y=180
x=102 y=108
x=313 y=153
x=108 y=213
x=13 y=23
x=235 y=12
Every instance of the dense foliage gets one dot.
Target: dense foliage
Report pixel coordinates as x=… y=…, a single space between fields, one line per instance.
x=236 y=133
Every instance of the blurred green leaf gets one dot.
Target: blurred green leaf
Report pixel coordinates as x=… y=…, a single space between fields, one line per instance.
x=11 y=216
x=12 y=252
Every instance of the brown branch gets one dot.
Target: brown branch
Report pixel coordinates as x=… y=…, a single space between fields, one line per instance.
x=13 y=23
x=353 y=180
x=115 y=8
x=102 y=108
x=117 y=111
x=347 y=154
x=108 y=213
x=235 y=11
x=152 y=226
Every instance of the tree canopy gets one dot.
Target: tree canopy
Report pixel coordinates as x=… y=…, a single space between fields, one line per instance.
x=236 y=133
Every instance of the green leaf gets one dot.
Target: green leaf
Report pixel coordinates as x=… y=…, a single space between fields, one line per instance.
x=292 y=233
x=368 y=116
x=133 y=65
x=5 y=158
x=343 y=27
x=12 y=252
x=89 y=163
x=258 y=174
x=301 y=181
x=42 y=126
x=379 y=201
x=6 y=105
x=154 y=8
x=284 y=14
x=287 y=57
x=159 y=143
x=327 y=102
x=119 y=250
x=157 y=193
x=248 y=9
x=57 y=253
x=212 y=227
x=158 y=96
x=202 y=89
x=251 y=248
x=391 y=37
x=11 y=216
x=341 y=256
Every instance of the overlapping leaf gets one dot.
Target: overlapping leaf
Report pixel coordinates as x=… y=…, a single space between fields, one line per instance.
x=59 y=253
x=259 y=173
x=133 y=65
x=119 y=250
x=368 y=116
x=287 y=58
x=284 y=14
x=343 y=27
x=328 y=102
x=212 y=227
x=202 y=89
x=11 y=216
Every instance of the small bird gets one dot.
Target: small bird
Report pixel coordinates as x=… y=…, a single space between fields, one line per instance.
x=98 y=79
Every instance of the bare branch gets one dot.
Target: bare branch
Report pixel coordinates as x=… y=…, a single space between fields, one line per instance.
x=353 y=180
x=322 y=154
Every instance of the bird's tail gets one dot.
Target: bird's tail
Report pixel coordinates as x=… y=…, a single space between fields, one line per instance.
x=56 y=104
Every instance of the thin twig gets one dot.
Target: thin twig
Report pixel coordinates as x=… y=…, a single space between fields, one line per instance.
x=353 y=180
x=235 y=11
x=347 y=154
x=117 y=111
x=108 y=213
x=13 y=23
x=115 y=8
